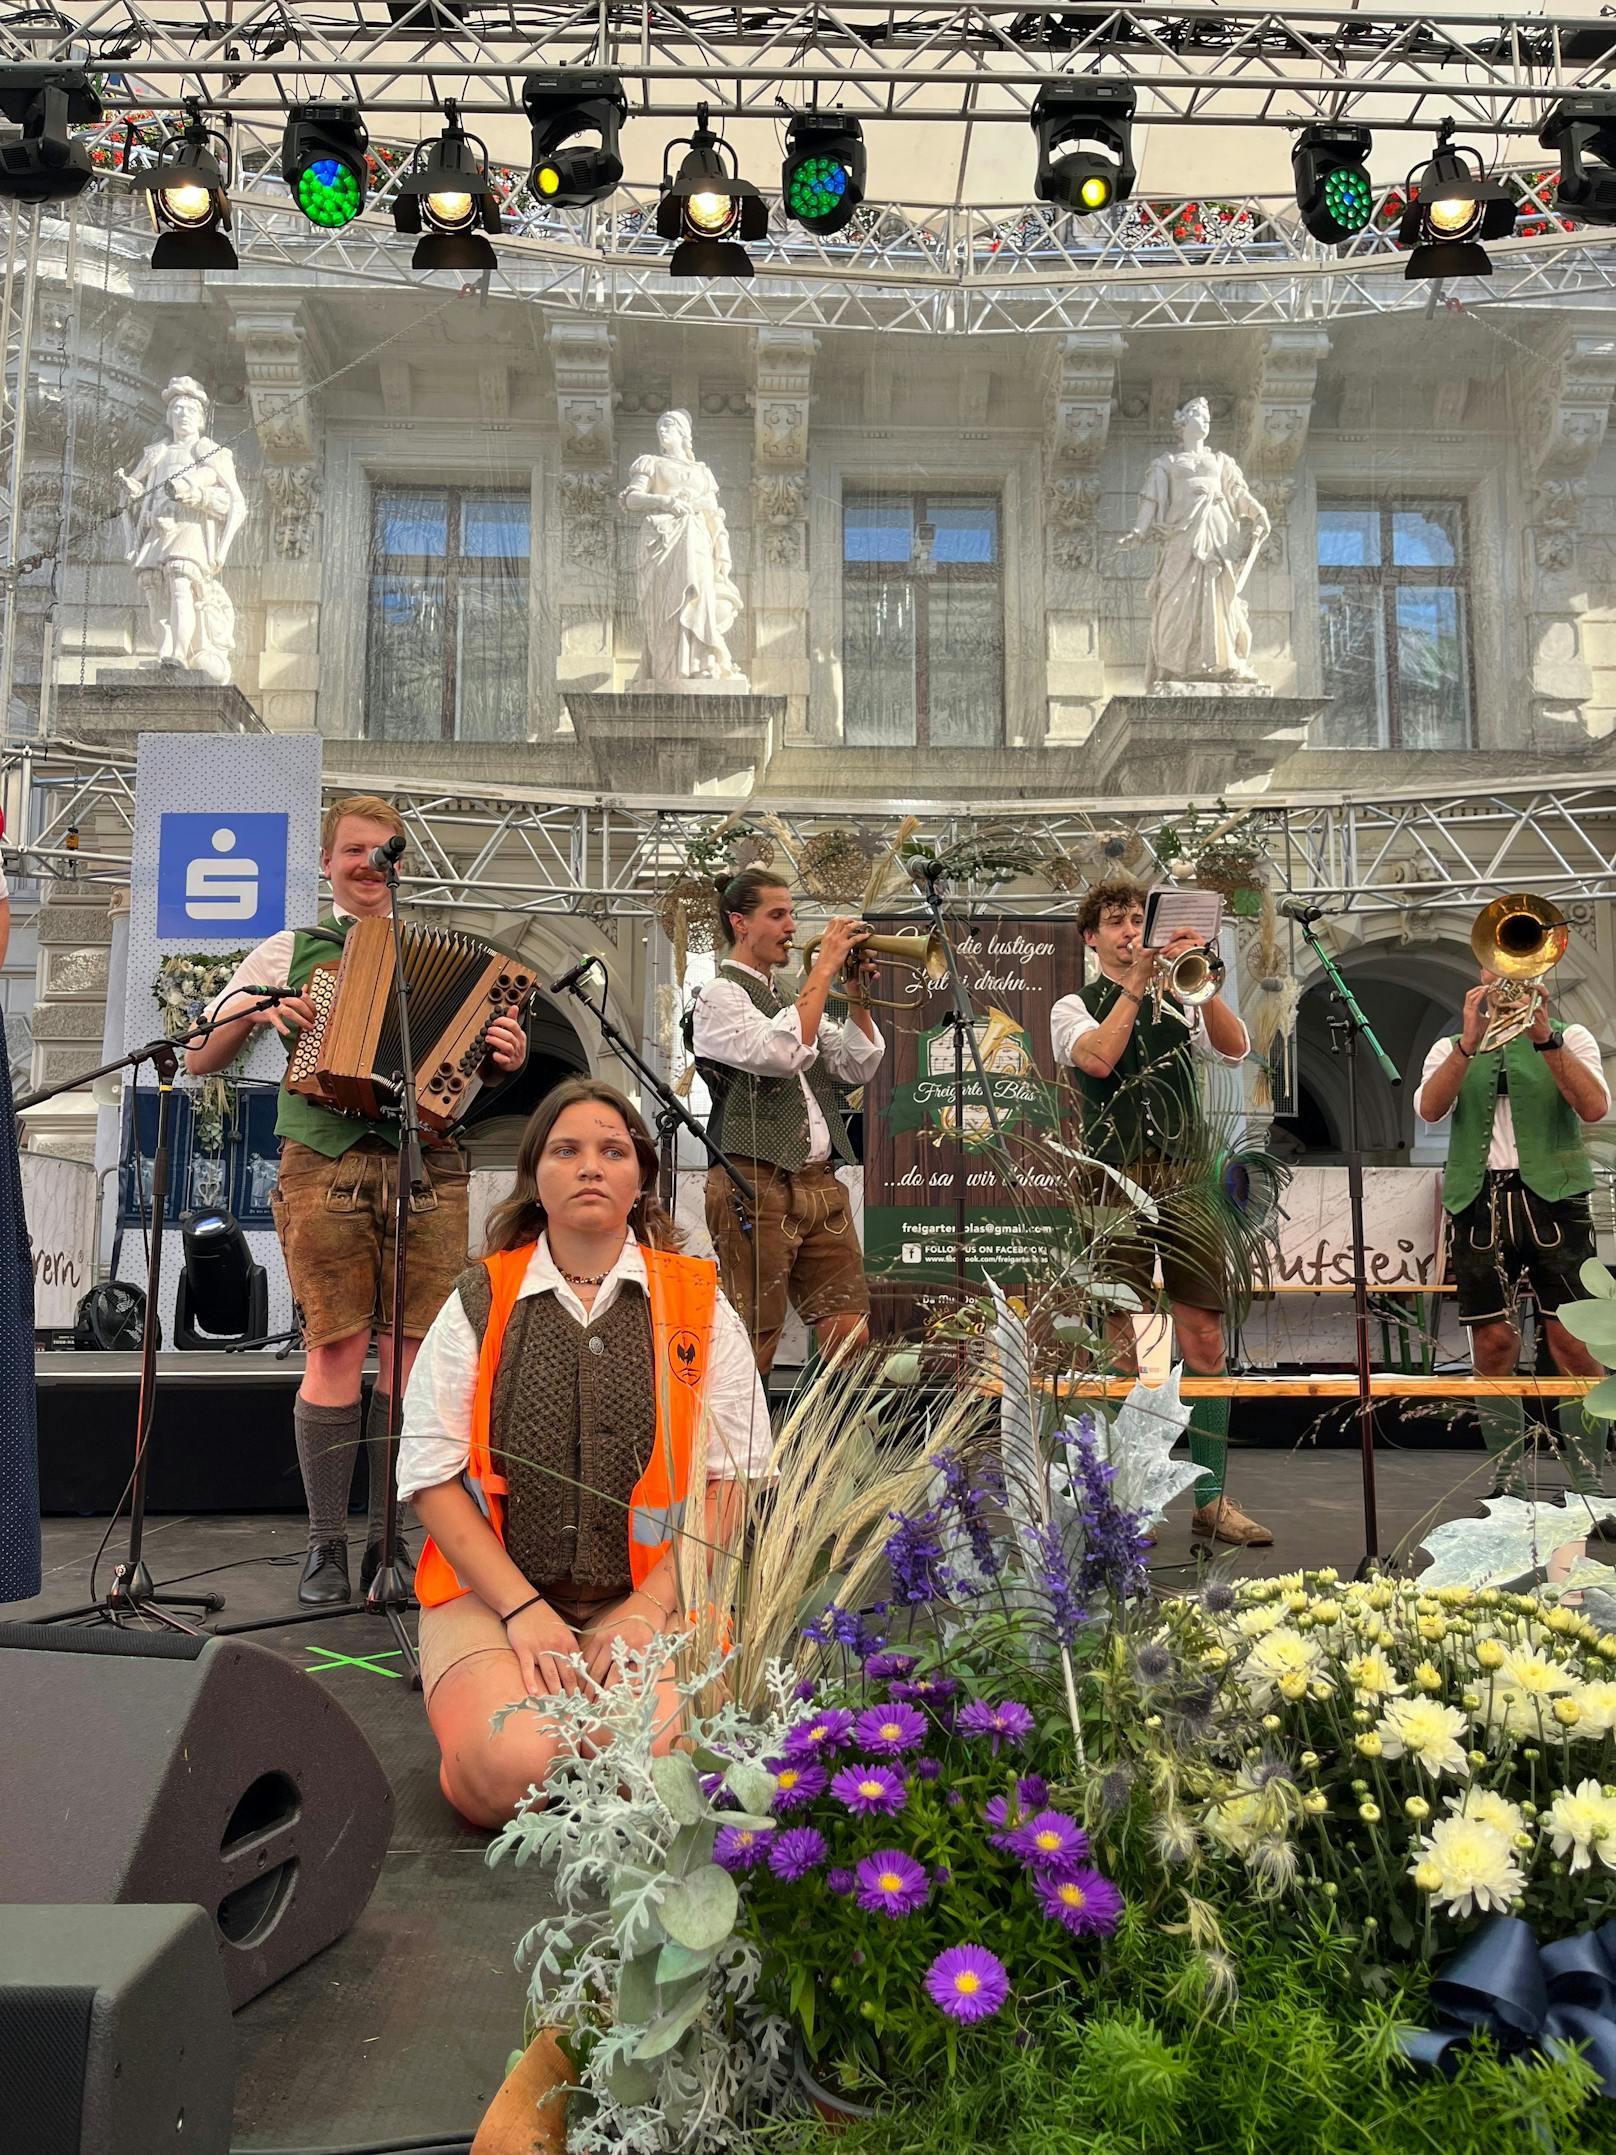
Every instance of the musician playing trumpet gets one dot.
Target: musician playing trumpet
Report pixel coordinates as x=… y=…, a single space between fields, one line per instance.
x=1516 y=1191
x=774 y=1064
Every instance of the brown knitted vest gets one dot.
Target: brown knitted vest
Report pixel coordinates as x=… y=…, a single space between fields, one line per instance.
x=573 y=1425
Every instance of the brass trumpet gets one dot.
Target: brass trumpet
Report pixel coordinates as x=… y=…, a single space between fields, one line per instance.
x=1520 y=938
x=1191 y=979
x=922 y=955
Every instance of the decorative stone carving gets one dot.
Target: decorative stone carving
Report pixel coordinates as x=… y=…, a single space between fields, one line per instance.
x=581 y=356
x=280 y=372
x=1083 y=398
x=294 y=500
x=1276 y=417
x=780 y=497
x=688 y=599
x=1553 y=518
x=783 y=361
x=1073 y=505
x=183 y=508
x=1567 y=402
x=585 y=493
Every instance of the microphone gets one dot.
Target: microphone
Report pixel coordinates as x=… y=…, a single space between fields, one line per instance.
x=570 y=980
x=383 y=856
x=1299 y=909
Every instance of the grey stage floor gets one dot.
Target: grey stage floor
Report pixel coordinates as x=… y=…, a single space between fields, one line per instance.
x=402 y=2027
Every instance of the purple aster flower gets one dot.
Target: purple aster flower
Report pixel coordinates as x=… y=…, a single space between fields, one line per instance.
x=967 y=1983
x=1032 y=1791
x=796 y=1784
x=942 y=1876
x=870 y=1791
x=914 y=1552
x=882 y=1666
x=840 y=1881
x=889 y=1730
x=805 y=1690
x=1003 y=1817
x=926 y=1690
x=954 y=1798
x=1049 y=1841
x=826 y=1733
x=891 y=1883
x=928 y=1769
x=1084 y=1903
x=1009 y=1723
x=795 y=1851
x=738 y=1848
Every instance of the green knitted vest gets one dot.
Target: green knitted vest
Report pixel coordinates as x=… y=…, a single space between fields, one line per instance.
x=1548 y=1135
x=305 y=1122
x=1150 y=1103
x=763 y=1118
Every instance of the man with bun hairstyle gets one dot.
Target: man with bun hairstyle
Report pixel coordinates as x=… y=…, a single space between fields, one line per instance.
x=773 y=1066
x=334 y=1205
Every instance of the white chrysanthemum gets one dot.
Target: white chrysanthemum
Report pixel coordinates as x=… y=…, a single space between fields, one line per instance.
x=1282 y=1652
x=1428 y=1732
x=1521 y=1694
x=1598 y=1703
x=1475 y=1863
x=1372 y=1678
x=1256 y=1623
x=1585 y=1823
x=1491 y=1809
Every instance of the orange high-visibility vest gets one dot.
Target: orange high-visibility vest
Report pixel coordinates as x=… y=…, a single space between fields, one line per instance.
x=683 y=1293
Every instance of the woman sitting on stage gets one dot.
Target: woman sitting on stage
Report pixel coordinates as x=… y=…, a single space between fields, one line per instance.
x=560 y=1404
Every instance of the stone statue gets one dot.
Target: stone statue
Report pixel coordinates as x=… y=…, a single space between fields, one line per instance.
x=688 y=599
x=1195 y=502
x=184 y=508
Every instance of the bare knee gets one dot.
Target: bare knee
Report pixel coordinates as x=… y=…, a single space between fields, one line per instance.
x=1200 y=1339
x=486 y=1778
x=1571 y=1357
x=331 y=1371
x=1494 y=1348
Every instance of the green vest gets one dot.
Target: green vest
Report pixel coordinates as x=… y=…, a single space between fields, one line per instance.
x=1548 y=1135
x=305 y=1122
x=1151 y=1102
x=765 y=1118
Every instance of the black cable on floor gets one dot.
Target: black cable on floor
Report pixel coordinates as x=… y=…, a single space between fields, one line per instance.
x=455 y=2145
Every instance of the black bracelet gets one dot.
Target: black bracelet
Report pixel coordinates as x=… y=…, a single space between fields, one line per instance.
x=520 y=1606
x=1137 y=1000
x=1467 y=1053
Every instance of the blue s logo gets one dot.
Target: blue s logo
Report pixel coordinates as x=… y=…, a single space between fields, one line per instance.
x=222 y=875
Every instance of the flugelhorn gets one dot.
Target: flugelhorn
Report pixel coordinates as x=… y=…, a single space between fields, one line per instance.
x=1190 y=979
x=922 y=955
x=1520 y=938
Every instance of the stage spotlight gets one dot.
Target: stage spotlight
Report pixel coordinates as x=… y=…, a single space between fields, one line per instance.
x=1332 y=185
x=1451 y=209
x=189 y=194
x=822 y=178
x=223 y=1294
x=1064 y=118
x=1582 y=131
x=43 y=164
x=446 y=196
x=323 y=162
x=575 y=101
x=709 y=208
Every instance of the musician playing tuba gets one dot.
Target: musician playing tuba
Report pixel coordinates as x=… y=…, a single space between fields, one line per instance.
x=1516 y=1187
x=334 y=1203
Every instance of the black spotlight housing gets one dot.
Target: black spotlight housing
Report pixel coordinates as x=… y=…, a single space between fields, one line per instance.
x=189 y=193
x=1452 y=207
x=1065 y=119
x=822 y=176
x=708 y=208
x=568 y=102
x=43 y=163
x=223 y=1295
x=323 y=162
x=446 y=197
x=1582 y=133
x=1333 y=190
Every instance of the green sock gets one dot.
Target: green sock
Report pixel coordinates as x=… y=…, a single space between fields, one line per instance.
x=1584 y=1446
x=1209 y=1446
x=1503 y=1431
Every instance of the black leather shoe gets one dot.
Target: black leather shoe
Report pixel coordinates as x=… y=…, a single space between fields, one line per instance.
x=325 y=1575
x=369 y=1564
x=1603 y=1529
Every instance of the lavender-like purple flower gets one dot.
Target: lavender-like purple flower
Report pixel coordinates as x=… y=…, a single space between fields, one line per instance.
x=914 y=1553
x=880 y=1667
x=969 y=1497
x=1113 y=1539
x=1067 y=1614
x=870 y=1791
x=836 y=1626
x=739 y=1848
x=888 y=1731
x=1050 y=1842
x=795 y=1851
x=1009 y=1723
x=796 y=1783
x=840 y=1881
x=891 y=1883
x=1083 y=1903
x=827 y=1733
x=968 y=1983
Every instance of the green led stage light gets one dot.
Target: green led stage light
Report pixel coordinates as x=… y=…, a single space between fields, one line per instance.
x=822 y=177
x=323 y=162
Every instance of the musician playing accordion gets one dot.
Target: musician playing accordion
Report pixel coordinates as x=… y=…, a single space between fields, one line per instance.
x=334 y=1204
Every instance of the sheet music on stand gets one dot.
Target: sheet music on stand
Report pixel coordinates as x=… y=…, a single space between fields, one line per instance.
x=1172 y=912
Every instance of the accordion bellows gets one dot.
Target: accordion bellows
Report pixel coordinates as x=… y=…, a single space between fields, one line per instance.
x=348 y=1059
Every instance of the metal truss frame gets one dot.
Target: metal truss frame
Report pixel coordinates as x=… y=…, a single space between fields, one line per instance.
x=519 y=852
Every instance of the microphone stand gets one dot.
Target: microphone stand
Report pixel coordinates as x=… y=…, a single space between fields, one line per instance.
x=1347 y=1026
x=132 y=1592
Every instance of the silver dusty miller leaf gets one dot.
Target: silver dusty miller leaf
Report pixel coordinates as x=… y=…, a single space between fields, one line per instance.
x=1513 y=1541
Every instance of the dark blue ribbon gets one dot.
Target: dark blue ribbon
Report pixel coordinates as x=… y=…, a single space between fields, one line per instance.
x=1528 y=1998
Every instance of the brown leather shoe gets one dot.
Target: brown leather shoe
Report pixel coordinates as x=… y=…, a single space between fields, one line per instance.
x=1223 y=1520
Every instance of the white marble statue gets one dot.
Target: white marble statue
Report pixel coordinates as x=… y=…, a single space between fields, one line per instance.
x=688 y=599
x=183 y=510
x=1210 y=528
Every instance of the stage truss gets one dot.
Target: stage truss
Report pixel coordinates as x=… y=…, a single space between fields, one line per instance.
x=509 y=850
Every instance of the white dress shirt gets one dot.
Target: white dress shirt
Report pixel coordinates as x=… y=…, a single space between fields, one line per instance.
x=730 y=1028
x=1503 y=1154
x=435 y=1444
x=269 y=965
x=1071 y=1018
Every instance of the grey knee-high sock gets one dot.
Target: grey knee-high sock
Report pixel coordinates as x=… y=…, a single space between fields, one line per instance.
x=327 y=1438
x=1583 y=1442
x=1503 y=1430
x=380 y=1460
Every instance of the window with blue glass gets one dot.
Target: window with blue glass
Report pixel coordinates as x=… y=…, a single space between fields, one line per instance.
x=447 y=651
x=922 y=620
x=1394 y=624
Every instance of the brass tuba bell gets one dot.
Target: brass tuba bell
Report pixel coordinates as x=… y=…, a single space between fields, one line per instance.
x=922 y=955
x=1520 y=938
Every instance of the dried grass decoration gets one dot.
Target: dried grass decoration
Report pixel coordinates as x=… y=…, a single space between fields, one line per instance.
x=1273 y=1014
x=1062 y=873
x=687 y=914
x=835 y=865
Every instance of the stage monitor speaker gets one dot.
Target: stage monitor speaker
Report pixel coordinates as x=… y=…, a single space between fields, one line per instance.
x=115 y=2031
x=148 y=1766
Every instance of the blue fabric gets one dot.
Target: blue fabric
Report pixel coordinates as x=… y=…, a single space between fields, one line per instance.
x=1528 y=1999
x=19 y=1450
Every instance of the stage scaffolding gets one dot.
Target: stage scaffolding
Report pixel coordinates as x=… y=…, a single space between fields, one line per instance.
x=506 y=849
